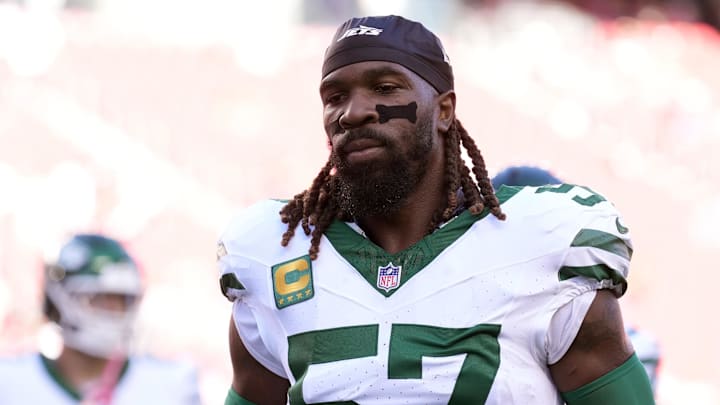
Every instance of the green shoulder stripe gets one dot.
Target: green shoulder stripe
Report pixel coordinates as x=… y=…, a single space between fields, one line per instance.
x=602 y=240
x=598 y=272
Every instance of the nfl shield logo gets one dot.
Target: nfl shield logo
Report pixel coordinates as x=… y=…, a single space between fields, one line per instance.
x=388 y=277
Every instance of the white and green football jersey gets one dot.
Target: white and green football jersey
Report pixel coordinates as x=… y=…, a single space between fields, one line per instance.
x=33 y=379
x=471 y=314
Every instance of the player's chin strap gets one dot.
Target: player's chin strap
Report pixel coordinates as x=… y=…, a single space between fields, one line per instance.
x=628 y=385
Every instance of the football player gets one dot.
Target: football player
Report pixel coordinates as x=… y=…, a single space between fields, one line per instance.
x=92 y=292
x=400 y=277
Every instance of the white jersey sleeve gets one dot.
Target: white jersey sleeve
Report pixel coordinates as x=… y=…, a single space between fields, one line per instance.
x=583 y=226
x=601 y=249
x=594 y=247
x=244 y=277
x=565 y=325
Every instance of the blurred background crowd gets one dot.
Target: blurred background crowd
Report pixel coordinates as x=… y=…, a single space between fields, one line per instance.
x=155 y=121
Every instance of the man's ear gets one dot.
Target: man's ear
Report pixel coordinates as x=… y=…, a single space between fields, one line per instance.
x=446 y=113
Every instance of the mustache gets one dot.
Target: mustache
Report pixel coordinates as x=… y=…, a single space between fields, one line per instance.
x=361 y=133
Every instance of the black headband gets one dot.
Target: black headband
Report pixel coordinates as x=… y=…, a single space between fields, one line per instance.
x=391 y=39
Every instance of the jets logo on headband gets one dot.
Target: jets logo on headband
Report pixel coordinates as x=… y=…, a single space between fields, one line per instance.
x=361 y=30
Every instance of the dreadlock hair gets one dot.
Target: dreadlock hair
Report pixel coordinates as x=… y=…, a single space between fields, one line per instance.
x=316 y=208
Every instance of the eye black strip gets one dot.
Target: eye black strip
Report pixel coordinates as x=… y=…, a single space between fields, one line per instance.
x=388 y=112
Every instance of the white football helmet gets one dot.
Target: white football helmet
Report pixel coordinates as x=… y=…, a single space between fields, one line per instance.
x=90 y=267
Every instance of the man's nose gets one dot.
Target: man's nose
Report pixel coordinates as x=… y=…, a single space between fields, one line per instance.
x=359 y=110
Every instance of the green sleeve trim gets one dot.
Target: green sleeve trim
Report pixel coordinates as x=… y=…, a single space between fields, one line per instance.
x=602 y=240
x=233 y=398
x=599 y=272
x=628 y=385
x=228 y=281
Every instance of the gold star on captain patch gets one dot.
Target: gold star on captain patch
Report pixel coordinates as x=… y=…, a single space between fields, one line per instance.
x=299 y=295
x=290 y=298
x=308 y=292
x=281 y=301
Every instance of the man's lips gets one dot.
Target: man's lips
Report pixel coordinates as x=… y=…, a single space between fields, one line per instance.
x=360 y=145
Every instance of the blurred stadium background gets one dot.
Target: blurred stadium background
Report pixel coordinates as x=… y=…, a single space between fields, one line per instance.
x=156 y=120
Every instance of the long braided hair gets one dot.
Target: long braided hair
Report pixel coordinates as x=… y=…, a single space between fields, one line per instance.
x=316 y=208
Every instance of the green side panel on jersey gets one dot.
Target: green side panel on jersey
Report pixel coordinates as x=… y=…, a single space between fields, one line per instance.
x=326 y=346
x=366 y=257
x=602 y=240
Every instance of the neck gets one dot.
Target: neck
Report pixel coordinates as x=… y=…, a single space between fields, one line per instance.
x=79 y=369
x=409 y=224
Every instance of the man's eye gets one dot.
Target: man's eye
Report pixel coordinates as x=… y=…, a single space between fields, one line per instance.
x=334 y=98
x=385 y=88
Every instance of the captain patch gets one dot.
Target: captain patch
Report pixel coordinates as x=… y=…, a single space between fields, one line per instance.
x=292 y=281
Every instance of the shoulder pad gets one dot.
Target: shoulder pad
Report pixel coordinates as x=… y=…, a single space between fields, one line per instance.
x=581 y=222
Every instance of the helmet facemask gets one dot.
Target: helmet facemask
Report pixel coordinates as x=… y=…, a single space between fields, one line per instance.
x=95 y=290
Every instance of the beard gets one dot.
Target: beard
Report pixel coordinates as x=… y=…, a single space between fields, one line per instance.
x=380 y=187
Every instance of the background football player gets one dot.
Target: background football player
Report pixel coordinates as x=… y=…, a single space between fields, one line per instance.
x=92 y=291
